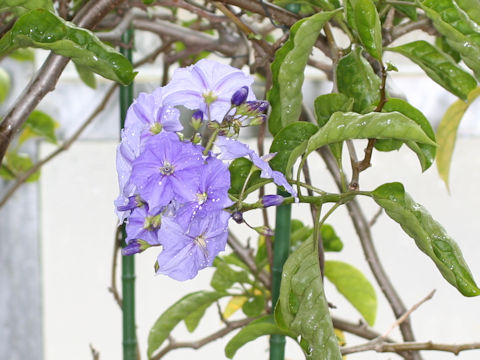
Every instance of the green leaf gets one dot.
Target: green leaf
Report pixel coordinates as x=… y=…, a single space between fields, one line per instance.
x=4 y=85
x=459 y=29
x=193 y=319
x=447 y=133
x=392 y=125
x=86 y=75
x=425 y=152
x=429 y=236
x=239 y=170
x=20 y=163
x=356 y=79
x=224 y=276
x=331 y=241
x=352 y=284
x=287 y=141
x=439 y=67
x=369 y=29
x=176 y=313
x=26 y=54
x=6 y=173
x=259 y=327
x=19 y=7
x=39 y=124
x=409 y=10
x=303 y=305
x=254 y=305
x=42 y=29
x=288 y=68
x=326 y=105
x=442 y=44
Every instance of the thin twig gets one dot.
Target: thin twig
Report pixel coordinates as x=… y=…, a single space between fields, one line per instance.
x=246 y=256
x=94 y=352
x=375 y=217
x=232 y=325
x=113 y=281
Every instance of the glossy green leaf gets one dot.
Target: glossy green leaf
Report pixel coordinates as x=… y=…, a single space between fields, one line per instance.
x=193 y=319
x=303 y=306
x=425 y=152
x=19 y=163
x=39 y=124
x=442 y=44
x=439 y=67
x=259 y=327
x=19 y=7
x=331 y=241
x=26 y=54
x=299 y=233
x=286 y=141
x=326 y=105
x=409 y=10
x=429 y=236
x=239 y=170
x=392 y=125
x=471 y=8
x=175 y=314
x=369 y=29
x=447 y=133
x=288 y=68
x=86 y=75
x=357 y=80
x=4 y=85
x=460 y=31
x=254 y=305
x=352 y=284
x=224 y=276
x=42 y=29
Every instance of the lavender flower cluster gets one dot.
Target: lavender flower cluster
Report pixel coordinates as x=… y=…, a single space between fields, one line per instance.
x=173 y=192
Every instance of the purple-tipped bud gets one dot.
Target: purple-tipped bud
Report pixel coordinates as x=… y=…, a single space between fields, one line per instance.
x=135 y=246
x=259 y=120
x=197 y=119
x=133 y=202
x=239 y=96
x=237 y=217
x=259 y=106
x=272 y=200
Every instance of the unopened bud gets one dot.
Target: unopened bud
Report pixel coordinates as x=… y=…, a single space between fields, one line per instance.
x=197 y=119
x=134 y=247
x=237 y=217
x=259 y=120
x=239 y=96
x=259 y=106
x=264 y=230
x=272 y=200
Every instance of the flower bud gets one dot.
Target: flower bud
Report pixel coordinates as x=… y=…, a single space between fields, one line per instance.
x=134 y=247
x=239 y=96
x=258 y=106
x=272 y=200
x=133 y=202
x=259 y=120
x=264 y=230
x=197 y=119
x=237 y=217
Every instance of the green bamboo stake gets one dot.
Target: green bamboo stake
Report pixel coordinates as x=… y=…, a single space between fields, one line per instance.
x=280 y=254
x=128 y=262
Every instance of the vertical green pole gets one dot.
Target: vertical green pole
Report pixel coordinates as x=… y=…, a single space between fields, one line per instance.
x=128 y=264
x=280 y=253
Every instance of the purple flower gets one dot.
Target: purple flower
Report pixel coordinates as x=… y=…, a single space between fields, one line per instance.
x=144 y=226
x=208 y=86
x=211 y=194
x=166 y=169
x=272 y=200
x=231 y=149
x=185 y=254
x=148 y=116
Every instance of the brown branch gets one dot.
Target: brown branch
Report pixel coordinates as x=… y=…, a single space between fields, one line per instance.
x=232 y=325
x=194 y=8
x=359 y=329
x=246 y=256
x=48 y=75
x=409 y=346
x=424 y=24
x=94 y=352
x=113 y=281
